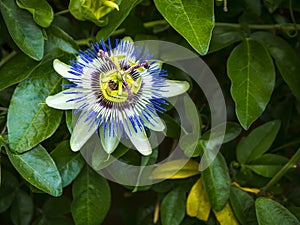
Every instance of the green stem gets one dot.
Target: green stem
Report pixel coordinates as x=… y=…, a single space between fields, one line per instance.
x=84 y=41
x=290 y=164
x=62 y=12
x=8 y=57
x=155 y=23
x=3 y=109
x=286 y=145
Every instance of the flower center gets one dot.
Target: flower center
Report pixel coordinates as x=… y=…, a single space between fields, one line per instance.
x=120 y=84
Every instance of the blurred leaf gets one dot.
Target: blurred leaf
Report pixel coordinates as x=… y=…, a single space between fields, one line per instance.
x=267 y=165
x=193 y=19
x=91 y=198
x=116 y=18
x=57 y=38
x=40 y=9
x=197 y=204
x=243 y=206
x=226 y=216
x=286 y=59
x=55 y=207
x=22 y=209
x=25 y=33
x=257 y=142
x=173 y=207
x=269 y=212
x=253 y=6
x=176 y=169
x=223 y=37
x=69 y=120
x=216 y=182
x=8 y=189
x=37 y=121
x=53 y=221
x=68 y=163
x=172 y=127
x=38 y=168
x=18 y=68
x=251 y=71
x=272 y=5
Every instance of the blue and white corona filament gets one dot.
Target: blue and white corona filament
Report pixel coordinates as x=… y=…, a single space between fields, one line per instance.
x=117 y=92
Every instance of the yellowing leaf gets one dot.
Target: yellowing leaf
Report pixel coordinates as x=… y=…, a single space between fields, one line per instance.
x=197 y=204
x=226 y=216
x=176 y=169
x=251 y=190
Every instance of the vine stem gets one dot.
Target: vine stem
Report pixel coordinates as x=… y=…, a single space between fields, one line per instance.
x=290 y=164
x=6 y=58
x=62 y=12
x=286 y=145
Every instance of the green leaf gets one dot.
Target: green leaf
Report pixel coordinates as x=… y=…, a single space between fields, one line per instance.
x=116 y=18
x=286 y=59
x=223 y=37
x=37 y=121
x=243 y=206
x=38 y=168
x=251 y=71
x=40 y=9
x=55 y=207
x=8 y=189
x=91 y=198
x=57 y=38
x=257 y=142
x=15 y=70
x=68 y=163
x=22 y=209
x=267 y=165
x=193 y=19
x=173 y=207
x=25 y=33
x=216 y=182
x=269 y=212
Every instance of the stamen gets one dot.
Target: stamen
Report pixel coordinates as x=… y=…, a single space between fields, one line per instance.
x=144 y=64
x=103 y=54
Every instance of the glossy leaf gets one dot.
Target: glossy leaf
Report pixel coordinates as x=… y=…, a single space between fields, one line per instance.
x=173 y=207
x=23 y=30
x=38 y=168
x=40 y=9
x=226 y=216
x=116 y=18
x=8 y=189
x=197 y=204
x=269 y=212
x=193 y=19
x=68 y=163
x=216 y=182
x=91 y=198
x=37 y=121
x=243 y=206
x=22 y=209
x=18 y=68
x=176 y=169
x=286 y=59
x=251 y=71
x=257 y=142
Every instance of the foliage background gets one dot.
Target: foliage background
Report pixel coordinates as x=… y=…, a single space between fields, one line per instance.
x=252 y=46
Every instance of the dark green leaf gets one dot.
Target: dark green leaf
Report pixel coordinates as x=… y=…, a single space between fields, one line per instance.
x=286 y=59
x=8 y=189
x=68 y=163
x=38 y=168
x=272 y=5
x=216 y=182
x=55 y=207
x=25 y=33
x=22 y=209
x=243 y=206
x=251 y=71
x=223 y=37
x=173 y=128
x=173 y=207
x=40 y=9
x=18 y=68
x=91 y=198
x=193 y=19
x=267 y=165
x=269 y=212
x=116 y=18
x=37 y=121
x=257 y=142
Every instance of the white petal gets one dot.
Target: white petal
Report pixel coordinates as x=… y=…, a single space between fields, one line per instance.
x=139 y=139
x=109 y=141
x=174 y=87
x=82 y=132
x=154 y=122
x=64 y=101
x=63 y=69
